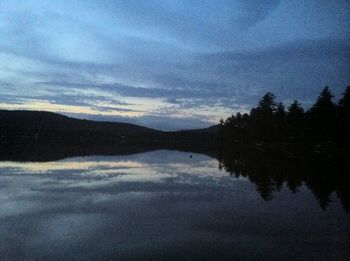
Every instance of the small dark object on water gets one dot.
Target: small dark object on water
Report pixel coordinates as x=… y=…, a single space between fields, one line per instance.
x=191 y=156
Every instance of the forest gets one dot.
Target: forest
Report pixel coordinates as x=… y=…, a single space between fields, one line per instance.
x=277 y=147
x=271 y=122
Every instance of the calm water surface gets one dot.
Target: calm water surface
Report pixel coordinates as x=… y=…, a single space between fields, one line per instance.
x=159 y=205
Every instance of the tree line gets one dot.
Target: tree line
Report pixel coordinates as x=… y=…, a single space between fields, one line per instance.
x=276 y=146
x=271 y=122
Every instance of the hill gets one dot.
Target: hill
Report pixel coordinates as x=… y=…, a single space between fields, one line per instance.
x=42 y=124
x=49 y=125
x=42 y=136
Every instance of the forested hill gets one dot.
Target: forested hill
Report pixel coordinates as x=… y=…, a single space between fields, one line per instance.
x=42 y=124
x=48 y=124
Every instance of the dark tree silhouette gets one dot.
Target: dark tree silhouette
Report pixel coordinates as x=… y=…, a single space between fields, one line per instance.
x=344 y=105
x=279 y=122
x=270 y=123
x=343 y=120
x=262 y=117
x=295 y=121
x=322 y=117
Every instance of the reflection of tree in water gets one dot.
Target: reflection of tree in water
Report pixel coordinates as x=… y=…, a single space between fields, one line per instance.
x=275 y=148
x=271 y=170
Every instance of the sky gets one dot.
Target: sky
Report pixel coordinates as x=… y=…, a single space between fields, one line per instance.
x=169 y=64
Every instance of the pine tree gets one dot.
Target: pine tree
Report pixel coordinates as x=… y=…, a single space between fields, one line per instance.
x=263 y=117
x=295 y=120
x=322 y=117
x=343 y=120
x=280 y=122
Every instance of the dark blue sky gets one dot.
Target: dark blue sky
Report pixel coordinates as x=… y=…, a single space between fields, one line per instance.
x=169 y=64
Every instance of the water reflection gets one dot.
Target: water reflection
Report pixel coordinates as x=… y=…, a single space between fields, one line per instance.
x=163 y=205
x=272 y=170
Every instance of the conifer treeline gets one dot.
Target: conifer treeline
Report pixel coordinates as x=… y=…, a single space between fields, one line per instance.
x=272 y=122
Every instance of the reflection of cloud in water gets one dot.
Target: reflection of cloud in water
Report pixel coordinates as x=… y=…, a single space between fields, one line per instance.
x=43 y=167
x=162 y=203
x=97 y=171
x=25 y=183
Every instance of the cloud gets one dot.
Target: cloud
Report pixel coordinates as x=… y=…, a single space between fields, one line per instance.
x=5 y=84
x=298 y=69
x=175 y=58
x=252 y=12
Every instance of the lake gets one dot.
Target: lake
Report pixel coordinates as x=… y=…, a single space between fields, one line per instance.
x=161 y=205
